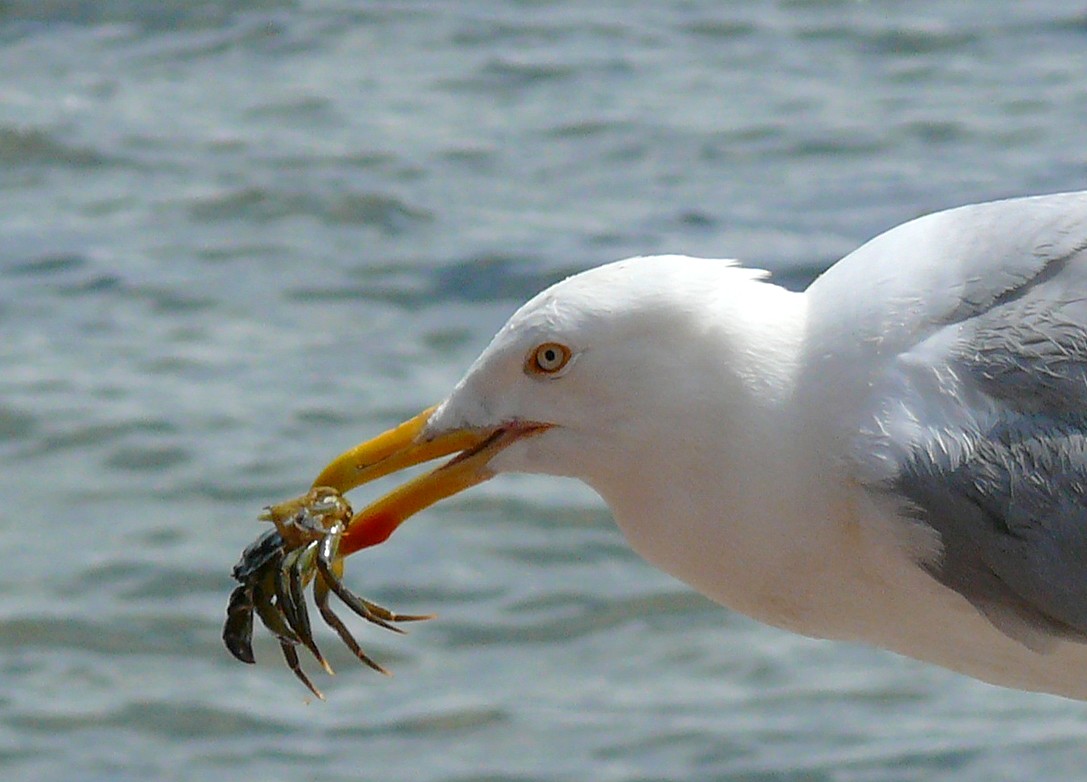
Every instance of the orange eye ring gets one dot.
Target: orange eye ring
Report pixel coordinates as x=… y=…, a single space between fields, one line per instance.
x=548 y=359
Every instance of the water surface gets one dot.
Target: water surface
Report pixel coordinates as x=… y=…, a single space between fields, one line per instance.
x=237 y=237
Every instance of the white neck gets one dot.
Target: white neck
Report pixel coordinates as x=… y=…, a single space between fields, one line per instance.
x=698 y=510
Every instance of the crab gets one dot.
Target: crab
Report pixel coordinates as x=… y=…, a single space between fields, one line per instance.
x=314 y=533
x=275 y=569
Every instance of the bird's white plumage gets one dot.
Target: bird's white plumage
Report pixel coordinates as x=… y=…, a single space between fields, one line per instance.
x=805 y=457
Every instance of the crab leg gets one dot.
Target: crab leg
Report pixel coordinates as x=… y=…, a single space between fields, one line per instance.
x=291 y=656
x=271 y=616
x=291 y=600
x=285 y=605
x=320 y=596
x=331 y=569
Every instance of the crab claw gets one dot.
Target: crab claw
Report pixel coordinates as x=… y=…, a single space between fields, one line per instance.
x=238 y=629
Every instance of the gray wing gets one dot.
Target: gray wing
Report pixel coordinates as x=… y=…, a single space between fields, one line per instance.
x=993 y=401
x=1009 y=503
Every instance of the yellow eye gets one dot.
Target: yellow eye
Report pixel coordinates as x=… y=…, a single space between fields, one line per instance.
x=547 y=359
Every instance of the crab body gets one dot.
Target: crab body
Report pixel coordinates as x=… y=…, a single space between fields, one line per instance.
x=274 y=571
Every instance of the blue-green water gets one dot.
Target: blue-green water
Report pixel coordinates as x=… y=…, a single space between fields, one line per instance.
x=238 y=237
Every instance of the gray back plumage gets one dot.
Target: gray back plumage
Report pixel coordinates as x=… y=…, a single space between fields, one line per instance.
x=978 y=405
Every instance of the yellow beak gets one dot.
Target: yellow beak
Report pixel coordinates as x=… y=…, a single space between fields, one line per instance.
x=402 y=447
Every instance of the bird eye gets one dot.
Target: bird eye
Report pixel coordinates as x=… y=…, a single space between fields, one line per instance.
x=547 y=359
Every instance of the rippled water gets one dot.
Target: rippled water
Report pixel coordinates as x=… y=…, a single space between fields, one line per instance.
x=237 y=237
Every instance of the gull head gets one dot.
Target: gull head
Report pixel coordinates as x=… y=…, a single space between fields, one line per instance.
x=598 y=377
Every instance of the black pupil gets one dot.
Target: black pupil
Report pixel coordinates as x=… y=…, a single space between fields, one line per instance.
x=550 y=356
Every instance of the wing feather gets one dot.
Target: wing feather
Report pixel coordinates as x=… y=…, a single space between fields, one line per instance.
x=975 y=407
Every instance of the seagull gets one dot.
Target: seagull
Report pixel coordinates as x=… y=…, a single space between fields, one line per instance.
x=896 y=456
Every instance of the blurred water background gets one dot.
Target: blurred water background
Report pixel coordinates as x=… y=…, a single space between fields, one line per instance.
x=238 y=237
